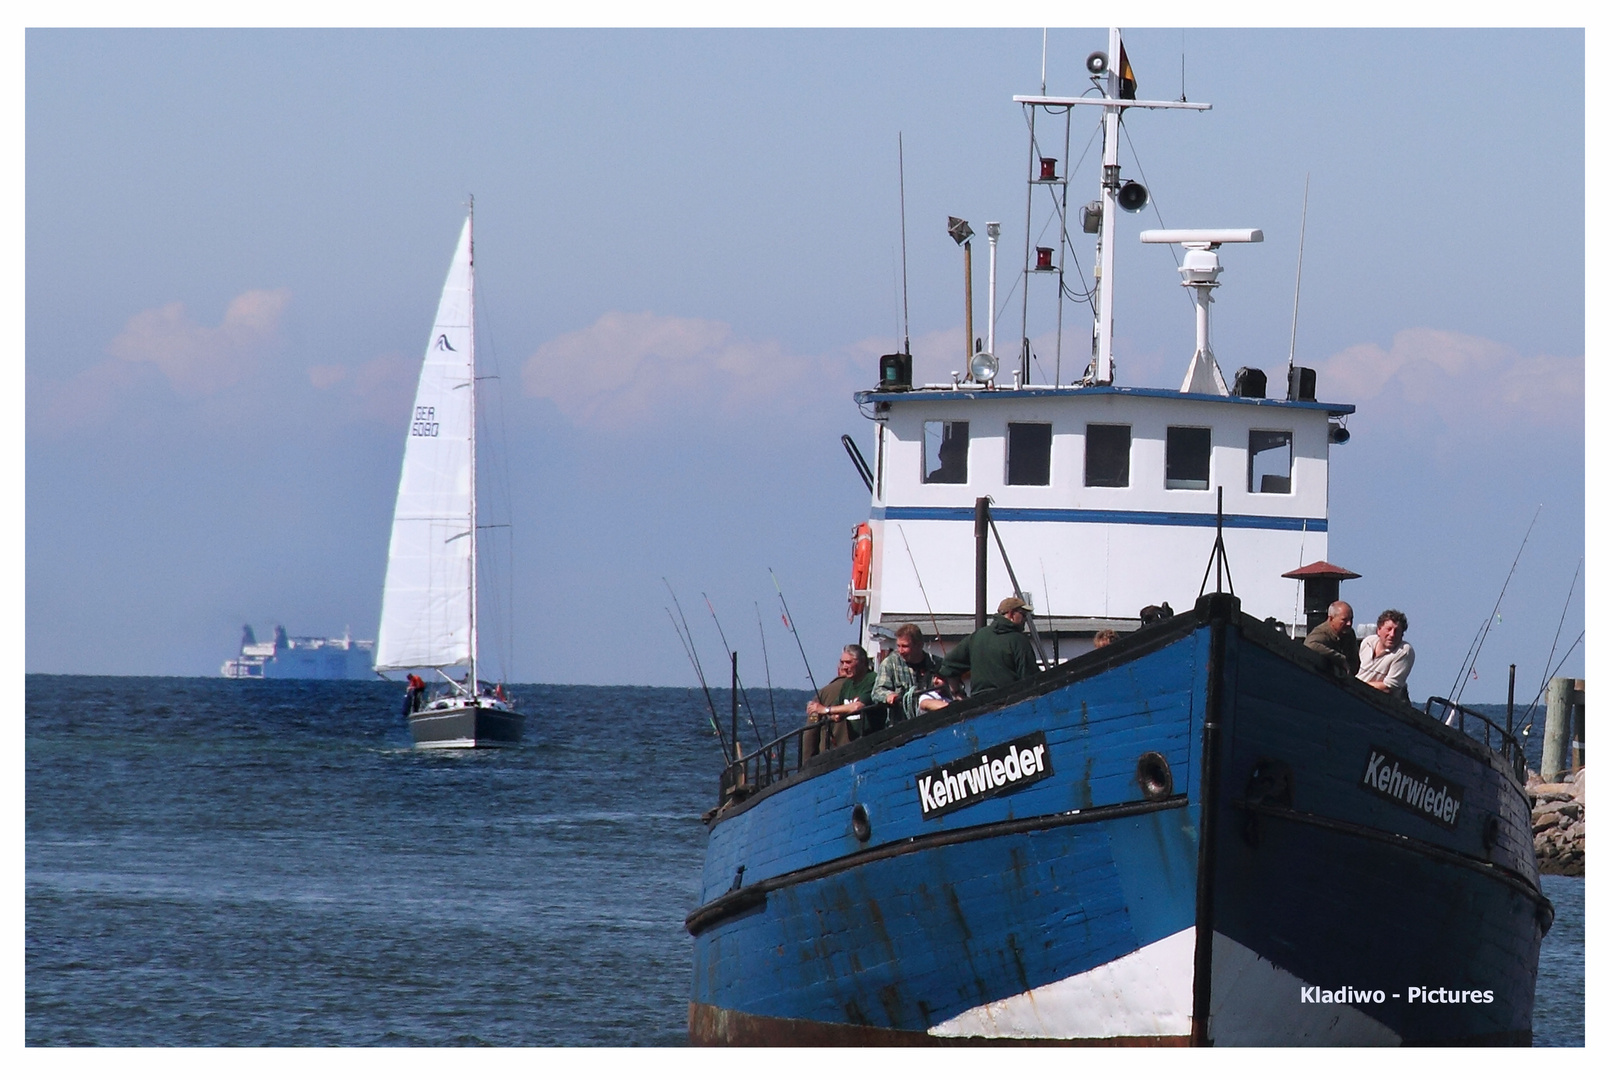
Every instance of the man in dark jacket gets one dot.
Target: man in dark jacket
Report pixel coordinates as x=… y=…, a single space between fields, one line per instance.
x=1336 y=640
x=996 y=655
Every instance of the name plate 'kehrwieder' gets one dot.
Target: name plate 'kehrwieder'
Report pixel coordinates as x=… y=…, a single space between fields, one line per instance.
x=988 y=774
x=1422 y=791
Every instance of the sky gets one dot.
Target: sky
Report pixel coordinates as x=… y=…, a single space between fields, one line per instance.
x=689 y=259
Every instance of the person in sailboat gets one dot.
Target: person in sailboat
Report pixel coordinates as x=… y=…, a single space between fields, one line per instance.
x=908 y=678
x=997 y=654
x=414 y=687
x=1335 y=638
x=1386 y=655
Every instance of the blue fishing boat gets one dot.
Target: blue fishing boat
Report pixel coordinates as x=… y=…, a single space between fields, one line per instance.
x=1200 y=833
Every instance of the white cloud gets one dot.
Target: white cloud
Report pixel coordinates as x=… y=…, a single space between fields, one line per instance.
x=326 y=376
x=201 y=360
x=379 y=389
x=634 y=368
x=1455 y=379
x=164 y=345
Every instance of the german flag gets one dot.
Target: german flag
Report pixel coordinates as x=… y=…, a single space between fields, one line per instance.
x=1127 y=77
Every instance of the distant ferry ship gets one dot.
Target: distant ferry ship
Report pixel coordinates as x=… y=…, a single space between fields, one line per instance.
x=299 y=658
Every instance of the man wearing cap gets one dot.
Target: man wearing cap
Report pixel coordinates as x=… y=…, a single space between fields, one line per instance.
x=996 y=655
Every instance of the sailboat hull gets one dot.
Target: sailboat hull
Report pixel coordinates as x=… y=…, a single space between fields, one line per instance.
x=466 y=727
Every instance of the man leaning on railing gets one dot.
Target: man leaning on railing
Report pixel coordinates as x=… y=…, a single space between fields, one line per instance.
x=854 y=694
x=908 y=676
x=1386 y=657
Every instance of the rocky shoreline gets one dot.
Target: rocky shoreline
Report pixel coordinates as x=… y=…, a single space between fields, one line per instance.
x=1558 y=819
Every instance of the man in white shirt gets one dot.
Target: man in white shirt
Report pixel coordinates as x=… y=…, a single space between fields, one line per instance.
x=1386 y=657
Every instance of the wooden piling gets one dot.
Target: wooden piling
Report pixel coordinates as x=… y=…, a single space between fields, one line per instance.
x=1555 y=739
x=1577 y=726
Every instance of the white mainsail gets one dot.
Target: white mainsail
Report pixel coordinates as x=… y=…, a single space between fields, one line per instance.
x=427 y=610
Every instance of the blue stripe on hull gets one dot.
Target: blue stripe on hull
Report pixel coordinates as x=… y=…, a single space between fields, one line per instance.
x=910 y=941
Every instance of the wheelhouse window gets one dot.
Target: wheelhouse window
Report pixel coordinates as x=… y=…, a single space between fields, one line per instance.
x=1271 y=462
x=945 y=447
x=1186 y=458
x=1029 y=455
x=1108 y=455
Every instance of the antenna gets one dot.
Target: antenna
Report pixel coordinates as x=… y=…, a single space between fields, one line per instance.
x=905 y=297
x=1183 y=65
x=1043 y=60
x=1298 y=270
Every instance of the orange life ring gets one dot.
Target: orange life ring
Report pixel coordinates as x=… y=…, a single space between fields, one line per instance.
x=860 y=574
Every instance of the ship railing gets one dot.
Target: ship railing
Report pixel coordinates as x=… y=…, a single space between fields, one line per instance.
x=782 y=757
x=1493 y=735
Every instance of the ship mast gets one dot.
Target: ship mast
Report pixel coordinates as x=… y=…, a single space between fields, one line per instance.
x=472 y=440
x=1119 y=94
x=1103 y=330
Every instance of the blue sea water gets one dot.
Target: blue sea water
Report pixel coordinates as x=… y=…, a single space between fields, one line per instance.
x=223 y=863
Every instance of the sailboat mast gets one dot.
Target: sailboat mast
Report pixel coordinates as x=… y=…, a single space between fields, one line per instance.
x=472 y=440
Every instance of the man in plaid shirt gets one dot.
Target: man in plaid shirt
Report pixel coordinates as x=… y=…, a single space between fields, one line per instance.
x=907 y=674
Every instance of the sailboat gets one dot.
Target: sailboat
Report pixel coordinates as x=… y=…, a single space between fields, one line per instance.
x=430 y=595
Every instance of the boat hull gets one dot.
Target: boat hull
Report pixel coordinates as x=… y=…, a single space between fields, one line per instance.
x=1201 y=864
x=1322 y=887
x=466 y=727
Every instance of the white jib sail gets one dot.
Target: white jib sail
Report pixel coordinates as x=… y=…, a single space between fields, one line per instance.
x=427 y=595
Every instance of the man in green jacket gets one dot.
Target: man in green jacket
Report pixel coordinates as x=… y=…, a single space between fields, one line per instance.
x=996 y=655
x=848 y=714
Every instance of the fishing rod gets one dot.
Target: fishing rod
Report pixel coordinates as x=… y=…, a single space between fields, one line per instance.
x=1040 y=653
x=769 y=691
x=938 y=638
x=714 y=718
x=787 y=620
x=1548 y=681
x=1545 y=677
x=691 y=649
x=746 y=705
x=1496 y=610
x=1051 y=628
